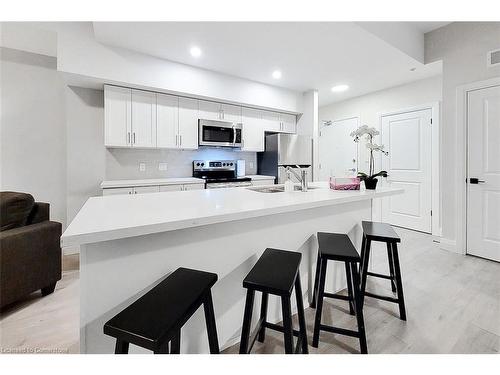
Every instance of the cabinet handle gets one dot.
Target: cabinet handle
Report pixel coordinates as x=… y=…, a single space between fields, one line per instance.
x=180 y=139
x=133 y=136
x=176 y=139
x=128 y=138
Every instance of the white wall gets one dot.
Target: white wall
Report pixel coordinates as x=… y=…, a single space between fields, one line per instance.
x=369 y=107
x=85 y=150
x=33 y=132
x=79 y=54
x=462 y=46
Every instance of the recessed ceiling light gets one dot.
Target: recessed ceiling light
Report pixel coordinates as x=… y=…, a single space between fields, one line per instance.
x=195 y=51
x=413 y=69
x=339 y=88
x=277 y=74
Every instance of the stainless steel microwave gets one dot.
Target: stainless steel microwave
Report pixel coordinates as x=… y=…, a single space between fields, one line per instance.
x=219 y=133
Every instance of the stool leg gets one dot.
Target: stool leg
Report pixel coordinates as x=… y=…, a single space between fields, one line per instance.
x=364 y=269
x=349 y=287
x=287 y=324
x=247 y=320
x=213 y=342
x=263 y=316
x=319 y=302
x=391 y=267
x=300 y=313
x=316 y=279
x=121 y=347
x=175 y=347
x=399 y=282
x=359 y=308
x=363 y=248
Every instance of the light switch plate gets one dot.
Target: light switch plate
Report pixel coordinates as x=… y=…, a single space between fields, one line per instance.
x=142 y=167
x=162 y=166
x=250 y=165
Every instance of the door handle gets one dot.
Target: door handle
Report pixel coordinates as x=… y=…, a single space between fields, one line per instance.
x=476 y=181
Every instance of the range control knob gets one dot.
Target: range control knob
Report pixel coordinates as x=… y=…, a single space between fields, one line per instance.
x=202 y=164
x=197 y=164
x=223 y=164
x=231 y=164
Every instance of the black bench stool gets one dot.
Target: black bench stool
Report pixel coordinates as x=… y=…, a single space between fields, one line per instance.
x=338 y=247
x=383 y=232
x=156 y=318
x=276 y=272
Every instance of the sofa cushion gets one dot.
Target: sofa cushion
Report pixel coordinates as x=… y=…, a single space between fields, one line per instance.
x=15 y=209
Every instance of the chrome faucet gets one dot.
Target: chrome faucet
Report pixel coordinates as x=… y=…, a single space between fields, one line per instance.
x=302 y=177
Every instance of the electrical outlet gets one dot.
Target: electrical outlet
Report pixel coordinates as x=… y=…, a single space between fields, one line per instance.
x=142 y=167
x=162 y=166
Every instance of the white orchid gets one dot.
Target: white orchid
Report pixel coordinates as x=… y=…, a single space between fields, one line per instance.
x=364 y=130
x=370 y=132
x=376 y=147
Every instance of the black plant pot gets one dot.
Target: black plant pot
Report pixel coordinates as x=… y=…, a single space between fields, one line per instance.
x=371 y=183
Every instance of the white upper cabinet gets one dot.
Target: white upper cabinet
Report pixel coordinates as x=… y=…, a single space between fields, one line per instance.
x=117 y=116
x=188 y=123
x=288 y=123
x=167 y=115
x=210 y=110
x=231 y=113
x=143 y=119
x=253 y=131
x=271 y=121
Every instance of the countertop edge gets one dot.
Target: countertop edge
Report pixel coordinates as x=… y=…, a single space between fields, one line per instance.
x=120 y=233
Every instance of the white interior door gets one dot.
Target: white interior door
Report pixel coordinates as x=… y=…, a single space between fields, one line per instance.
x=338 y=153
x=408 y=139
x=483 y=198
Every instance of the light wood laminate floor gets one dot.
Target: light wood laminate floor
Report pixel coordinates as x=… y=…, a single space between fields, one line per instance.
x=452 y=302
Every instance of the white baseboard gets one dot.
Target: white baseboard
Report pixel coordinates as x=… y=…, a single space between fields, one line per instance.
x=447 y=244
x=71 y=250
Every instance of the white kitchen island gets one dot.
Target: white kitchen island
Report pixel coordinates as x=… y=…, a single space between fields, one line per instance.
x=128 y=243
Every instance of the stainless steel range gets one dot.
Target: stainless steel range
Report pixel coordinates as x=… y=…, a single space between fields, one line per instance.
x=219 y=174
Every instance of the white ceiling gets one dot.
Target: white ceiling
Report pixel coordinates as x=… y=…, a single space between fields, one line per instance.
x=311 y=55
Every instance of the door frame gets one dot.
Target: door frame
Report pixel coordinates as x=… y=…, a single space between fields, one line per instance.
x=435 y=108
x=462 y=147
x=343 y=118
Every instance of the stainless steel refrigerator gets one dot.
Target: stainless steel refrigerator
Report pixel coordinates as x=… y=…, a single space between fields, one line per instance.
x=283 y=150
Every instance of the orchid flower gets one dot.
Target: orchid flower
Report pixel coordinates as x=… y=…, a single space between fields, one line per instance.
x=370 y=132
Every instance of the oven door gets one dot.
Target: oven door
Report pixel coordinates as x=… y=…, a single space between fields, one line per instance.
x=219 y=133
x=220 y=185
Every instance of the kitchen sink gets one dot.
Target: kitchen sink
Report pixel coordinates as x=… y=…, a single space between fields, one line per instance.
x=276 y=189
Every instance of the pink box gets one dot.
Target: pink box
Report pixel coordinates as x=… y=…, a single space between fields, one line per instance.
x=346 y=183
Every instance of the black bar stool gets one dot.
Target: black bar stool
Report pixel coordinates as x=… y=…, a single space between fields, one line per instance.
x=338 y=247
x=383 y=232
x=156 y=318
x=276 y=272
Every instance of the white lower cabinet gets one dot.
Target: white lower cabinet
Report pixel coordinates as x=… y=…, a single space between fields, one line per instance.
x=182 y=187
x=263 y=182
x=131 y=190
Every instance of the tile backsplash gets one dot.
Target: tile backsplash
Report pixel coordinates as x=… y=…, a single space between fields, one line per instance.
x=124 y=163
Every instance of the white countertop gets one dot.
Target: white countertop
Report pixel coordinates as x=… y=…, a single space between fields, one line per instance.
x=151 y=182
x=121 y=216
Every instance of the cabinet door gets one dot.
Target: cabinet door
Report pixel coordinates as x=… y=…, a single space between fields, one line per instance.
x=164 y=188
x=253 y=132
x=194 y=186
x=146 y=189
x=143 y=119
x=117 y=116
x=288 y=123
x=167 y=121
x=188 y=123
x=210 y=110
x=262 y=182
x=271 y=121
x=118 y=191
x=231 y=113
